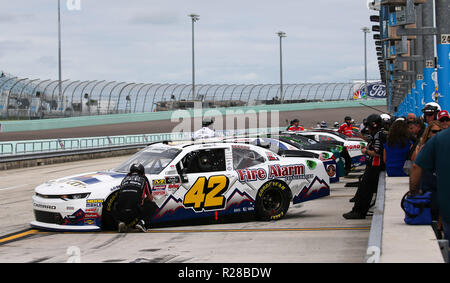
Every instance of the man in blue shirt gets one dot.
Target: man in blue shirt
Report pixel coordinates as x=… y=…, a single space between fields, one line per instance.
x=435 y=157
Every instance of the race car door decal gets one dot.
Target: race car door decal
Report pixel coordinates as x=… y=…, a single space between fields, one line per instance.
x=207 y=194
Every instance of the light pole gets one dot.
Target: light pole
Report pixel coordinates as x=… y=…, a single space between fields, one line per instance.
x=281 y=34
x=59 y=50
x=194 y=18
x=366 y=30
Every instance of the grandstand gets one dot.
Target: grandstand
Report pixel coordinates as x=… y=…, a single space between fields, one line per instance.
x=24 y=98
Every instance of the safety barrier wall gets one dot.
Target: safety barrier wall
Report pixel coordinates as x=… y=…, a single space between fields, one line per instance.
x=54 y=145
x=59 y=123
x=374 y=245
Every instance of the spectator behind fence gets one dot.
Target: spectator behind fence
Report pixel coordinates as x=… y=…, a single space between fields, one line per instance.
x=433 y=157
x=396 y=149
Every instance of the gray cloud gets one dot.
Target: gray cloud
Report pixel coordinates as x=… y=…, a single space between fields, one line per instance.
x=150 y=41
x=154 y=18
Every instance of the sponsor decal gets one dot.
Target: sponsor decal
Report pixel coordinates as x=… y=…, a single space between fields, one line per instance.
x=331 y=170
x=353 y=147
x=288 y=172
x=159 y=182
x=159 y=191
x=94 y=202
x=173 y=180
x=246 y=175
x=44 y=206
x=271 y=156
x=91 y=215
x=115 y=188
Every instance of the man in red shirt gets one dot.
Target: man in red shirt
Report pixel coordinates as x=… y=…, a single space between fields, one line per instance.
x=295 y=126
x=347 y=127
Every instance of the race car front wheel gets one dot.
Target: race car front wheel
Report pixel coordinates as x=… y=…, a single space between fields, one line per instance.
x=108 y=220
x=272 y=201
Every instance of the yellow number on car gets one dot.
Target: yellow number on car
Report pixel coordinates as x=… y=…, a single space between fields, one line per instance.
x=195 y=196
x=207 y=195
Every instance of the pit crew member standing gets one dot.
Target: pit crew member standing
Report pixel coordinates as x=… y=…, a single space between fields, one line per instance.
x=375 y=164
x=295 y=126
x=430 y=111
x=135 y=200
x=205 y=132
x=347 y=127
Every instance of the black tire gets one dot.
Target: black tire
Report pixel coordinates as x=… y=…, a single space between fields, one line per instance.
x=272 y=201
x=108 y=220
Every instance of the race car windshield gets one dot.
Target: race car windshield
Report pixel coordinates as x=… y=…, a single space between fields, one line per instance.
x=154 y=160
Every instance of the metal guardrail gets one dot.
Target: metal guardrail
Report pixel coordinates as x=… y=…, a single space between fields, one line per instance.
x=373 y=251
x=6 y=149
x=42 y=155
x=27 y=148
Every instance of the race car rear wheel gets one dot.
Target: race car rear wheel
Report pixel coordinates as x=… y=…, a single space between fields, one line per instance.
x=273 y=200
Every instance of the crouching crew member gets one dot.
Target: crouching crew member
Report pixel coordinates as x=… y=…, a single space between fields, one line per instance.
x=135 y=205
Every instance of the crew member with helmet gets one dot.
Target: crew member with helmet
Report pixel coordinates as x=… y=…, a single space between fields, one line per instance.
x=205 y=132
x=135 y=203
x=295 y=126
x=387 y=121
x=347 y=127
x=374 y=165
x=430 y=111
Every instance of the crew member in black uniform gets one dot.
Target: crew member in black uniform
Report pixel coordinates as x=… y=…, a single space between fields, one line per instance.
x=135 y=205
x=374 y=165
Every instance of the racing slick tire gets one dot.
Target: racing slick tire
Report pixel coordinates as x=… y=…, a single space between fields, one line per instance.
x=108 y=220
x=272 y=201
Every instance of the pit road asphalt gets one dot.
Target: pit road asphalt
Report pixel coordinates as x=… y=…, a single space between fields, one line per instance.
x=314 y=231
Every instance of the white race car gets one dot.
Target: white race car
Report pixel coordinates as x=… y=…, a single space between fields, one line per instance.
x=353 y=145
x=188 y=180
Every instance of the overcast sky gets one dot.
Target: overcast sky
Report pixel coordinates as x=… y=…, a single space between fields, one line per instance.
x=150 y=40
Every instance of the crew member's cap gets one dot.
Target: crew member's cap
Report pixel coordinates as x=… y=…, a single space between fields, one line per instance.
x=443 y=114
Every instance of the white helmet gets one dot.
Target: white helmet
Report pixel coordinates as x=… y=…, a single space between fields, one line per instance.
x=431 y=107
x=385 y=117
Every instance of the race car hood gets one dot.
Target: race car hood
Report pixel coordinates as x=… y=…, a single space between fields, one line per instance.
x=83 y=183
